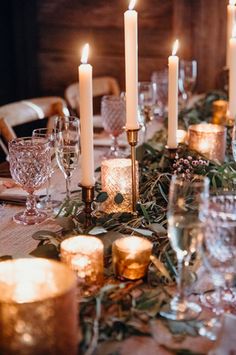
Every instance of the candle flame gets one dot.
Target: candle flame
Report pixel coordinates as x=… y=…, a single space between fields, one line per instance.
x=132 y=4
x=234 y=31
x=175 y=47
x=232 y=2
x=85 y=52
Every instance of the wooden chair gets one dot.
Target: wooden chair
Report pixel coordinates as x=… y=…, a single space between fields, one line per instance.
x=105 y=85
x=26 y=111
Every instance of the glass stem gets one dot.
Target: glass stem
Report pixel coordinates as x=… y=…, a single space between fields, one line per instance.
x=68 y=183
x=180 y=283
x=115 y=144
x=48 y=191
x=31 y=205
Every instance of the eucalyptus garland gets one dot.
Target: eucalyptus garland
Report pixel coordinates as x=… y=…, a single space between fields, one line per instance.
x=122 y=309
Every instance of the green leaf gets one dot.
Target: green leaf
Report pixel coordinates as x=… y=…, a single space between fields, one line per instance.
x=97 y=230
x=66 y=223
x=118 y=198
x=47 y=251
x=44 y=235
x=102 y=196
x=158 y=228
x=145 y=213
x=144 y=232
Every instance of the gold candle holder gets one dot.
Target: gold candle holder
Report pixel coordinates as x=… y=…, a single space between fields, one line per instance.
x=209 y=140
x=116 y=176
x=220 y=109
x=132 y=137
x=87 y=198
x=131 y=257
x=38 y=309
x=84 y=255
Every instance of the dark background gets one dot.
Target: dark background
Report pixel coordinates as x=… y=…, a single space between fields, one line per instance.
x=41 y=41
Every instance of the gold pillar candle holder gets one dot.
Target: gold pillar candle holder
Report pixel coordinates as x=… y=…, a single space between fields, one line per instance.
x=38 y=308
x=132 y=137
x=208 y=140
x=84 y=254
x=116 y=176
x=87 y=198
x=220 y=109
x=131 y=257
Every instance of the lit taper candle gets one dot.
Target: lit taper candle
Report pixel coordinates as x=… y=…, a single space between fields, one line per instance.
x=231 y=20
x=86 y=120
x=232 y=75
x=131 y=66
x=173 y=62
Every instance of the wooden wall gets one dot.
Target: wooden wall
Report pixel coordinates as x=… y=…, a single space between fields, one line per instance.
x=47 y=36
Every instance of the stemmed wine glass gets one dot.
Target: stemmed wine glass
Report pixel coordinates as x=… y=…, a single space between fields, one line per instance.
x=113 y=117
x=30 y=167
x=186 y=199
x=48 y=203
x=67 y=146
x=218 y=252
x=187 y=79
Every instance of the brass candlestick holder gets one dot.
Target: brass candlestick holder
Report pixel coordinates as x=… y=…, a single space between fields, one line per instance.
x=132 y=137
x=171 y=152
x=87 y=198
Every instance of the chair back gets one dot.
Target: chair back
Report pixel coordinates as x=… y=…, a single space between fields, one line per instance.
x=105 y=85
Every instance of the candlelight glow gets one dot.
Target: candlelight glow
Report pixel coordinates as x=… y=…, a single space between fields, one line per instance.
x=232 y=2
x=85 y=52
x=234 y=32
x=175 y=47
x=132 y=4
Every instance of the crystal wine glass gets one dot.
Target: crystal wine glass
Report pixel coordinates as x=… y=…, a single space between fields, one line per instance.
x=219 y=252
x=160 y=82
x=187 y=79
x=67 y=146
x=113 y=116
x=30 y=167
x=47 y=202
x=186 y=199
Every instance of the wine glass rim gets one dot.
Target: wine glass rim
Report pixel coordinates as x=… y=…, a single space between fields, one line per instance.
x=34 y=139
x=112 y=98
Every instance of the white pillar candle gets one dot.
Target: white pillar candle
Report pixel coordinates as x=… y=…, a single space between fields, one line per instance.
x=86 y=120
x=231 y=19
x=173 y=62
x=131 y=66
x=232 y=75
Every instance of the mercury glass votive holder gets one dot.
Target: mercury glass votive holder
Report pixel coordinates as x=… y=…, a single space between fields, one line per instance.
x=131 y=257
x=84 y=254
x=182 y=136
x=208 y=140
x=116 y=177
x=38 y=308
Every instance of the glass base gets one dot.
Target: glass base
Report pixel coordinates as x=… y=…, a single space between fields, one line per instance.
x=23 y=218
x=48 y=206
x=222 y=302
x=184 y=311
x=210 y=329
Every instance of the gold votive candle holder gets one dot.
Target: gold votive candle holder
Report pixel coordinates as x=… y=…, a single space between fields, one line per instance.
x=220 y=109
x=131 y=257
x=116 y=177
x=182 y=136
x=84 y=254
x=38 y=308
x=208 y=140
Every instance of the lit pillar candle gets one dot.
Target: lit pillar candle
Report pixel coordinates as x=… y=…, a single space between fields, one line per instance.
x=231 y=19
x=131 y=66
x=86 y=120
x=173 y=62
x=232 y=75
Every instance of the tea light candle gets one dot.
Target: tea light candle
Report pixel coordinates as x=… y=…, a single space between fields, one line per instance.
x=209 y=140
x=38 y=308
x=84 y=255
x=116 y=176
x=131 y=256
